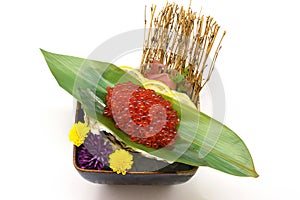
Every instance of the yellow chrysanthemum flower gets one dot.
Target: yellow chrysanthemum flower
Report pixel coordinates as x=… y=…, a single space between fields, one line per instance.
x=78 y=133
x=120 y=161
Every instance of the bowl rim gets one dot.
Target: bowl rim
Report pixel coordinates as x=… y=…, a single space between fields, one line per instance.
x=184 y=172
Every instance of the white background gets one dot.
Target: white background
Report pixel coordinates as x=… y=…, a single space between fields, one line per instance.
x=259 y=66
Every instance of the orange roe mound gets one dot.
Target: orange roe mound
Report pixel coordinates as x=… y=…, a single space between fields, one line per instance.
x=147 y=118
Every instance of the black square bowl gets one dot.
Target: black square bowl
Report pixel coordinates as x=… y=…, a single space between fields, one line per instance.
x=140 y=174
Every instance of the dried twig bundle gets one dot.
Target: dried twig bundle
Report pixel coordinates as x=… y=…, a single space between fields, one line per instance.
x=183 y=41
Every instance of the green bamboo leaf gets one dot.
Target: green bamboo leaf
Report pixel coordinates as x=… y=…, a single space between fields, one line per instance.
x=202 y=140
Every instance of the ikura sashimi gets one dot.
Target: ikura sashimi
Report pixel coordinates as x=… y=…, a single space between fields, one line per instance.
x=140 y=115
x=147 y=118
x=229 y=154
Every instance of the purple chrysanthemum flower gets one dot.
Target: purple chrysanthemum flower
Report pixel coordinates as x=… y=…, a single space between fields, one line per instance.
x=93 y=154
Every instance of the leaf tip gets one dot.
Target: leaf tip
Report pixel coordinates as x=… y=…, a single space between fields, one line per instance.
x=43 y=51
x=255 y=174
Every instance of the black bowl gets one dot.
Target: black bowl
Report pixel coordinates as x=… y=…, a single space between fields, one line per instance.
x=141 y=173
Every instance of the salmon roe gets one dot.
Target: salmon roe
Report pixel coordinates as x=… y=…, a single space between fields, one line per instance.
x=147 y=118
